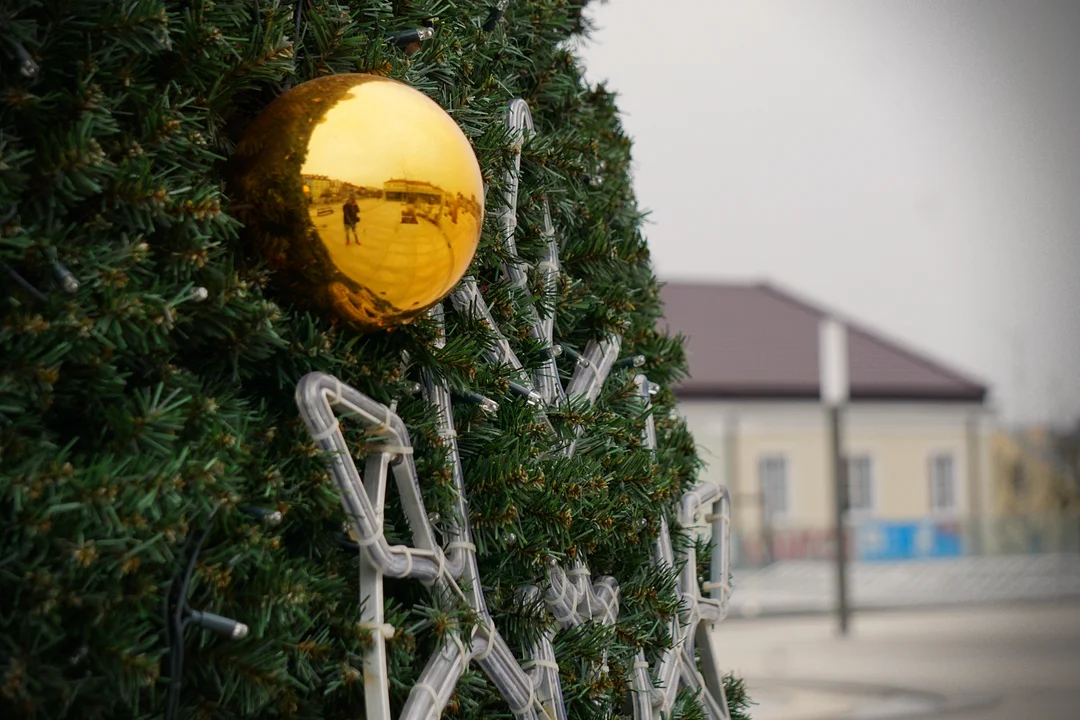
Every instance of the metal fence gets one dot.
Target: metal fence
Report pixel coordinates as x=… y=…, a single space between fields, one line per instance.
x=908 y=564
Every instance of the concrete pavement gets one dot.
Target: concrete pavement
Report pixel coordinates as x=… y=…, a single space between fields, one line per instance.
x=967 y=663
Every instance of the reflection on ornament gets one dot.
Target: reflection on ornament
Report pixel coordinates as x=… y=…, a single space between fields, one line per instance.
x=363 y=195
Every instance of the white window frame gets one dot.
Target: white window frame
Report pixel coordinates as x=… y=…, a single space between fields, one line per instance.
x=785 y=514
x=872 y=488
x=932 y=483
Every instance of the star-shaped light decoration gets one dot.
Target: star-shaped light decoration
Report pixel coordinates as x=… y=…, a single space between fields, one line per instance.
x=571 y=595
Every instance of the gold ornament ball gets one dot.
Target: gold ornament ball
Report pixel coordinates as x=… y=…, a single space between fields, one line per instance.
x=362 y=194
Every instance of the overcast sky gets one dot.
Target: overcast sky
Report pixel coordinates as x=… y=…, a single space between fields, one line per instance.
x=913 y=164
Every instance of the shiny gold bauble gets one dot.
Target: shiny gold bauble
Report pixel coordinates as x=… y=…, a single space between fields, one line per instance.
x=361 y=147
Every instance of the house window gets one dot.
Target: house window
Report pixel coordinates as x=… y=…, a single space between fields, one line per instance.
x=773 y=474
x=860 y=480
x=942 y=483
x=1019 y=479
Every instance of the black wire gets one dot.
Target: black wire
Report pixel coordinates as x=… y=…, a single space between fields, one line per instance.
x=24 y=283
x=178 y=622
x=346 y=544
x=171 y=641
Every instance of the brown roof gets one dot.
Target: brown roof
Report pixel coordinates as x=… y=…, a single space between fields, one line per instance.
x=759 y=342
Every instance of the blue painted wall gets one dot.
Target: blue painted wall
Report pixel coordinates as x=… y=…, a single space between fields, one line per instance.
x=879 y=540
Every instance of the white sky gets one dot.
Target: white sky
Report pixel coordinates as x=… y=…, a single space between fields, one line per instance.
x=384 y=114
x=913 y=164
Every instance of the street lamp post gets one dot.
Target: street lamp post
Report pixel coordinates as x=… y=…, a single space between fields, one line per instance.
x=833 y=366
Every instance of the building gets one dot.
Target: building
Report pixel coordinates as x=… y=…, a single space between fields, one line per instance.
x=915 y=431
x=1036 y=495
x=413 y=191
x=321 y=188
x=1031 y=478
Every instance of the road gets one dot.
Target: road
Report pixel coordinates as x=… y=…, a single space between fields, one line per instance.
x=967 y=663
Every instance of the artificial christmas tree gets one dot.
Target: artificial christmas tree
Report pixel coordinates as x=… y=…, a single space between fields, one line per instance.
x=174 y=538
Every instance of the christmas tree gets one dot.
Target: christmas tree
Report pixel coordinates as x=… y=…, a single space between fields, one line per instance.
x=174 y=542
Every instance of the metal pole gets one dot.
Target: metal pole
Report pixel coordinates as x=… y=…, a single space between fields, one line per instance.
x=843 y=612
x=835 y=391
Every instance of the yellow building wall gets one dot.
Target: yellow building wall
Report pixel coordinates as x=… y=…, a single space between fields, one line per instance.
x=1046 y=488
x=899 y=439
x=901 y=459
x=809 y=489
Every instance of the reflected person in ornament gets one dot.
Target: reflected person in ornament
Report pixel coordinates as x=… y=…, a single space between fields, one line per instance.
x=351 y=213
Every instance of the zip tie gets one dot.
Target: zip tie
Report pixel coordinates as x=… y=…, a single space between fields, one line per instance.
x=715 y=516
x=540 y=663
x=566 y=618
x=448 y=433
x=481 y=657
x=337 y=390
x=562 y=593
x=386 y=424
x=641 y=665
x=384 y=629
x=461 y=650
x=609 y=611
x=529 y=704
x=370 y=539
x=408 y=562
x=707 y=586
x=439 y=570
x=431 y=693
x=326 y=432
x=461 y=544
x=577 y=572
x=395 y=449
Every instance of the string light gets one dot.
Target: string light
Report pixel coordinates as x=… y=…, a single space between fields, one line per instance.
x=410 y=40
x=636 y=361
x=63 y=277
x=28 y=67
x=495 y=14
x=267 y=516
x=486 y=404
x=573 y=354
x=178 y=615
x=216 y=623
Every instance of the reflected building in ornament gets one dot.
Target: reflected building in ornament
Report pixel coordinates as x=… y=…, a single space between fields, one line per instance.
x=412 y=191
x=369 y=197
x=423 y=199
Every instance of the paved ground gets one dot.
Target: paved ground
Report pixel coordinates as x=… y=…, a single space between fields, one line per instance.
x=966 y=663
x=401 y=259
x=797 y=586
